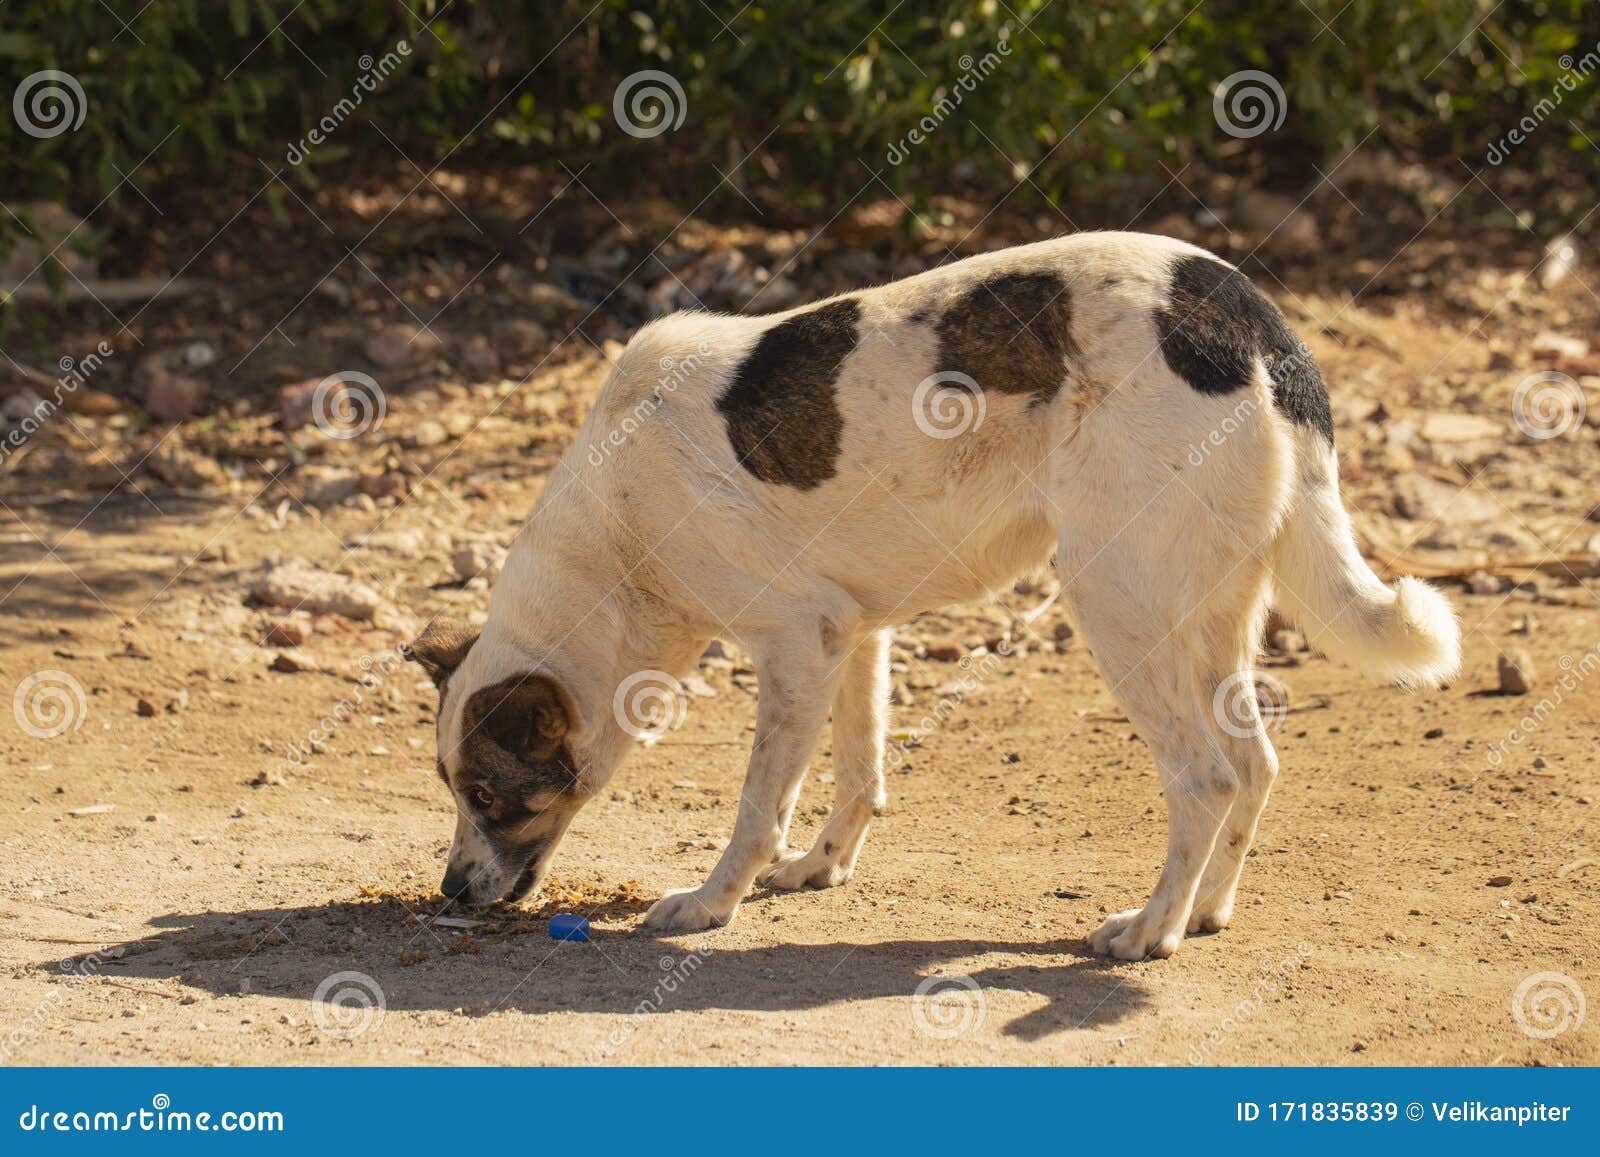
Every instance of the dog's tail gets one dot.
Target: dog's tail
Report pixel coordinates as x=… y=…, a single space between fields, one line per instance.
x=1405 y=633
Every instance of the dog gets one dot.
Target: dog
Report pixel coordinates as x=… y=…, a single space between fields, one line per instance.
x=802 y=481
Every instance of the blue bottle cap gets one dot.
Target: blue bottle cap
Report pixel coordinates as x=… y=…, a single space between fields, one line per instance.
x=569 y=927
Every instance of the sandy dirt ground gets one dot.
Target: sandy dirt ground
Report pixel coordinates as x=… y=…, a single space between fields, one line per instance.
x=224 y=834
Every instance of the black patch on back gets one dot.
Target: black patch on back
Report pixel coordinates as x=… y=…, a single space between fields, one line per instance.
x=783 y=417
x=1216 y=323
x=1010 y=333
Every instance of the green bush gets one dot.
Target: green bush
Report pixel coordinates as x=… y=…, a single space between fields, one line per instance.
x=822 y=94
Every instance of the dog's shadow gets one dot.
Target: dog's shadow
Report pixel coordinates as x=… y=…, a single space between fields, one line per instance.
x=509 y=963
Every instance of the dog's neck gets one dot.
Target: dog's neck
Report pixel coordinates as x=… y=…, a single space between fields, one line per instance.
x=564 y=605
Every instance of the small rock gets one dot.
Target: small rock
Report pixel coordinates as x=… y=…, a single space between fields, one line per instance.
x=146 y=709
x=1433 y=733
x=1499 y=881
x=1062 y=632
x=296 y=403
x=94 y=809
x=288 y=631
x=1526 y=625
x=1454 y=428
x=197 y=355
x=400 y=344
x=1550 y=346
x=945 y=652
x=479 y=359
x=271 y=777
x=299 y=585
x=178 y=703
x=293 y=662
x=428 y=432
x=1516 y=672
x=1483 y=583
x=472 y=559
x=183 y=468
x=174 y=397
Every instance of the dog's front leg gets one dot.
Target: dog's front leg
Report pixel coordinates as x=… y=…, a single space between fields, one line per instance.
x=797 y=677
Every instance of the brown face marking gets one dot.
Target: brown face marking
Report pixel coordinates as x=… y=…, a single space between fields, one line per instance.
x=1010 y=333
x=783 y=418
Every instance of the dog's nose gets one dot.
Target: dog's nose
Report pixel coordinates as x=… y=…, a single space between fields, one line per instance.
x=455 y=884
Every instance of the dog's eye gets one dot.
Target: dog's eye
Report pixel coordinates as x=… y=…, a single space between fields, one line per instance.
x=483 y=797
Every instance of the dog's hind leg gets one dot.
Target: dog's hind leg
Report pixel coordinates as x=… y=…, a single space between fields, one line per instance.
x=1147 y=584
x=1238 y=727
x=860 y=714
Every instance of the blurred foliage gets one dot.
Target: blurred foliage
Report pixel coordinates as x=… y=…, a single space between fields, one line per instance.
x=811 y=98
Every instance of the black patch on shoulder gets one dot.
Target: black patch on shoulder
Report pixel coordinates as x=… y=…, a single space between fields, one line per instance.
x=783 y=417
x=1216 y=323
x=1011 y=333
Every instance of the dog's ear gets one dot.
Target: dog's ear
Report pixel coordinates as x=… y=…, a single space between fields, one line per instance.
x=527 y=715
x=441 y=647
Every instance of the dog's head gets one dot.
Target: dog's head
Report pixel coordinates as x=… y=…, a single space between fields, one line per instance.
x=504 y=752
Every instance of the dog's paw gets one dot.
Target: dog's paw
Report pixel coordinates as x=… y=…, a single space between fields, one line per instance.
x=1214 y=919
x=795 y=870
x=685 y=910
x=1129 y=936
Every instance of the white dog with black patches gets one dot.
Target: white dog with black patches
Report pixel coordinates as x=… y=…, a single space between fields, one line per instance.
x=801 y=482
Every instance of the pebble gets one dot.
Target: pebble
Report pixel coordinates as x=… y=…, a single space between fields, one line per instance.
x=174 y=397
x=289 y=631
x=400 y=344
x=293 y=662
x=146 y=709
x=945 y=652
x=1516 y=672
x=303 y=586
x=1499 y=881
